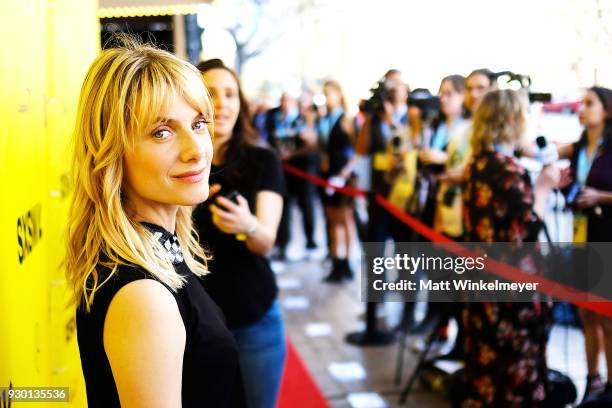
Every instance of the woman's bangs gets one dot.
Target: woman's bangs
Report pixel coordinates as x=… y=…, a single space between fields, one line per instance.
x=155 y=93
x=150 y=102
x=194 y=91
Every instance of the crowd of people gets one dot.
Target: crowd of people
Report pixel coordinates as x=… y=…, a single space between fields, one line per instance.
x=177 y=301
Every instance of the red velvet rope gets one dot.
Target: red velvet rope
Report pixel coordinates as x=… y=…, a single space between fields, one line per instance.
x=557 y=290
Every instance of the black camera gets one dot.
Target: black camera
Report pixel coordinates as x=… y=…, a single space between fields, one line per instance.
x=428 y=104
x=396 y=144
x=449 y=195
x=508 y=78
x=379 y=94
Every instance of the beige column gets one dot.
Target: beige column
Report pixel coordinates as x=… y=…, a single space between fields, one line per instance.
x=178 y=33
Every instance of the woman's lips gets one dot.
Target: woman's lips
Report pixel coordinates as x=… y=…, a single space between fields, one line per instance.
x=191 y=177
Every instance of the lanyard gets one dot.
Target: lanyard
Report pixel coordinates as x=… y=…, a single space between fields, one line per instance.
x=458 y=147
x=327 y=124
x=285 y=124
x=400 y=120
x=584 y=164
x=440 y=138
x=400 y=116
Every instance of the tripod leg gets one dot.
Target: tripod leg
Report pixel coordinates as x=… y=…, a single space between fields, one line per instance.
x=433 y=336
x=399 y=368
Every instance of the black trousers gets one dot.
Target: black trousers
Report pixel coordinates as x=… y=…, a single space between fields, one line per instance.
x=304 y=193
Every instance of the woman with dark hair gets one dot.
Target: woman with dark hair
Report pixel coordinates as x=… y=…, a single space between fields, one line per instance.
x=477 y=84
x=505 y=343
x=589 y=193
x=454 y=129
x=438 y=153
x=239 y=228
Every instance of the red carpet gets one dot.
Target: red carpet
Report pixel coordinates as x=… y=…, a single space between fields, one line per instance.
x=298 y=389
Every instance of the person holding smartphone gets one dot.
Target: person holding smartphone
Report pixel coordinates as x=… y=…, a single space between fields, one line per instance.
x=241 y=233
x=588 y=188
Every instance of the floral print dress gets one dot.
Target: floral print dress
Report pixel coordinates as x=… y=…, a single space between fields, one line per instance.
x=505 y=342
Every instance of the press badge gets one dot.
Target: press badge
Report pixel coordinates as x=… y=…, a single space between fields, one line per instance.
x=401 y=192
x=381 y=162
x=580 y=228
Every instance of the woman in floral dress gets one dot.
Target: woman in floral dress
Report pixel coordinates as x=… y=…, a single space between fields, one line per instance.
x=505 y=342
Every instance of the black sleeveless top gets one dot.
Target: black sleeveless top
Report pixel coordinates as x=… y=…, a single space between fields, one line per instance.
x=211 y=372
x=338 y=148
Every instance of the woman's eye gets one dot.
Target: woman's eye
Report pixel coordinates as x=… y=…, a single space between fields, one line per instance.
x=162 y=134
x=200 y=124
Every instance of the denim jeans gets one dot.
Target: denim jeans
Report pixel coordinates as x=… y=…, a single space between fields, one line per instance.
x=262 y=350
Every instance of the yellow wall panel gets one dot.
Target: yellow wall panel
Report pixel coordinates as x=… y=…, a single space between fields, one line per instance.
x=51 y=44
x=69 y=58
x=23 y=261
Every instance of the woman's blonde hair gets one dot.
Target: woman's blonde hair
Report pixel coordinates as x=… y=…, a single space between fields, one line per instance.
x=499 y=118
x=126 y=90
x=335 y=85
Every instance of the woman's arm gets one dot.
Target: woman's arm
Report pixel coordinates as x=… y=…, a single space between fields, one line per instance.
x=605 y=197
x=566 y=151
x=238 y=219
x=433 y=156
x=144 y=339
x=453 y=176
x=590 y=197
x=349 y=129
x=346 y=171
x=362 y=146
x=268 y=214
x=547 y=180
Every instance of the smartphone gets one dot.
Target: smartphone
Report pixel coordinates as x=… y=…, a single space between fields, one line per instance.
x=231 y=195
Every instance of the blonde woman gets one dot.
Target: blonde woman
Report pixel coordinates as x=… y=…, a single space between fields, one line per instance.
x=336 y=146
x=505 y=343
x=149 y=335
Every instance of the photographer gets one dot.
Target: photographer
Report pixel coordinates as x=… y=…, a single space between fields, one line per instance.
x=412 y=185
x=387 y=117
x=589 y=193
x=240 y=232
x=505 y=343
x=410 y=182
